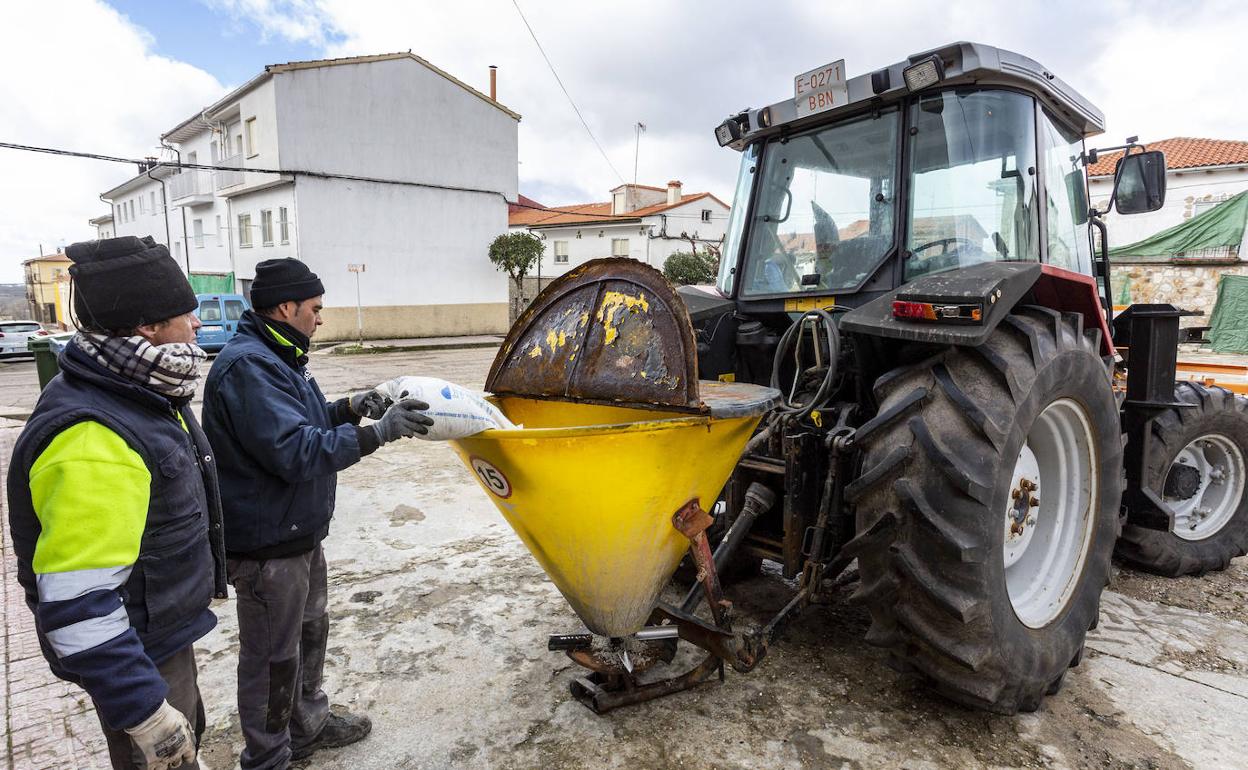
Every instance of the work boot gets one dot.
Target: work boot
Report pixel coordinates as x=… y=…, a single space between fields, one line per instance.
x=339 y=730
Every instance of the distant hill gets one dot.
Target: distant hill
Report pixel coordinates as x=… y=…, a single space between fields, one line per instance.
x=13 y=304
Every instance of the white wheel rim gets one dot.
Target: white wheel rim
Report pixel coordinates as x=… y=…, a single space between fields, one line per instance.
x=1049 y=513
x=1222 y=478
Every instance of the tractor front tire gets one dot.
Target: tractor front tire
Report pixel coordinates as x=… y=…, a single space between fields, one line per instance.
x=1196 y=463
x=987 y=510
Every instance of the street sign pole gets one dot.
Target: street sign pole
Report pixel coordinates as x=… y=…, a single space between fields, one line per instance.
x=359 y=306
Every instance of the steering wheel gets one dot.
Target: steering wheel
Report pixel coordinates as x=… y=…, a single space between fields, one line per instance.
x=944 y=243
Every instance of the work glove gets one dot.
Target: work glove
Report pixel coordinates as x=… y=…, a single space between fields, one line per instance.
x=165 y=739
x=371 y=404
x=404 y=419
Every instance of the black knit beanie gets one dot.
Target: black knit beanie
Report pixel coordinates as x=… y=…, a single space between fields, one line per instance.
x=283 y=280
x=121 y=283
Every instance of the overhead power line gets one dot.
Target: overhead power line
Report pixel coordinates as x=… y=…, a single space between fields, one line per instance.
x=565 y=91
x=313 y=174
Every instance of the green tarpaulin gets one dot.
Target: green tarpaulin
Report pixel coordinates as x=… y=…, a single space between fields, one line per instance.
x=212 y=283
x=1228 y=327
x=1222 y=225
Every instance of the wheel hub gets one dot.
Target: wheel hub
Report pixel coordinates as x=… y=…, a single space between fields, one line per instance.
x=1205 y=486
x=1024 y=504
x=1183 y=481
x=1047 y=536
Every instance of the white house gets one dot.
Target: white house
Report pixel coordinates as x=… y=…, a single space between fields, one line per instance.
x=433 y=163
x=1200 y=173
x=103 y=226
x=646 y=223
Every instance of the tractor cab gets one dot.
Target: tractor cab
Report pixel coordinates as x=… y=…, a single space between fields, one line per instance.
x=955 y=157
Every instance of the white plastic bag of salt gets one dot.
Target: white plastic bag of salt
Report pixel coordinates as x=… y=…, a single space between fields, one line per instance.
x=457 y=412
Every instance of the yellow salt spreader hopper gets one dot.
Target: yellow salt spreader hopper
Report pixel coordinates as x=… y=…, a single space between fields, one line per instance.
x=621 y=453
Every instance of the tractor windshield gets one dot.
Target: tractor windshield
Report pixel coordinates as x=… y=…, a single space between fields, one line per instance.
x=973 y=180
x=823 y=215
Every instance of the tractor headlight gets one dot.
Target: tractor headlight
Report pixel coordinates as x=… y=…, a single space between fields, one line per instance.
x=733 y=129
x=923 y=74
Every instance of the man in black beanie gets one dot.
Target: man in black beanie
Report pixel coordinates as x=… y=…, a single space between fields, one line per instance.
x=279 y=446
x=113 y=505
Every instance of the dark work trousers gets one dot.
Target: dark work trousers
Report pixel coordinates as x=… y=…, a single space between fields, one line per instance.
x=183 y=680
x=283 y=627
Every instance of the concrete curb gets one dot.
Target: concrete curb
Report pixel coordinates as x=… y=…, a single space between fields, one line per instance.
x=351 y=349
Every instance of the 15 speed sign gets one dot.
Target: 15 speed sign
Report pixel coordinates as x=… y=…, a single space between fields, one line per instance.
x=493 y=479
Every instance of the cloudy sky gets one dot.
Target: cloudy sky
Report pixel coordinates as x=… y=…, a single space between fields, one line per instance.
x=109 y=77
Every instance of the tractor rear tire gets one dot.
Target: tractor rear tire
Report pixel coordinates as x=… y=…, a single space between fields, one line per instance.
x=941 y=509
x=1196 y=463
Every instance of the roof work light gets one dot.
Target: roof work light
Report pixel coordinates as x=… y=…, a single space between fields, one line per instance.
x=922 y=74
x=733 y=128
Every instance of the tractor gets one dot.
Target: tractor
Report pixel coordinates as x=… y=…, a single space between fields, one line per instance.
x=909 y=374
x=913 y=261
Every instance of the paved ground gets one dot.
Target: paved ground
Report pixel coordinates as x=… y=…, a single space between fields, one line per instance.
x=440 y=620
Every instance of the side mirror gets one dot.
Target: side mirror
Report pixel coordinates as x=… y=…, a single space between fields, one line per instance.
x=1140 y=183
x=1076 y=194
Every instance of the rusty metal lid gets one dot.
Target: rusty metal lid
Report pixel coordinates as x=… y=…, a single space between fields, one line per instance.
x=610 y=331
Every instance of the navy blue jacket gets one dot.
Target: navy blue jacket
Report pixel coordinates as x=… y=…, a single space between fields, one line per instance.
x=108 y=629
x=279 y=444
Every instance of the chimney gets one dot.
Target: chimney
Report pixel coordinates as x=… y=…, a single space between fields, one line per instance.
x=493 y=83
x=673 y=192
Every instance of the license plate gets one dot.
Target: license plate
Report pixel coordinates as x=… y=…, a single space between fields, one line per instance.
x=821 y=89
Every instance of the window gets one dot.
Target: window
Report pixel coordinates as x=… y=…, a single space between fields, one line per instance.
x=130 y=204
x=561 y=252
x=1066 y=196
x=283 y=225
x=220 y=240
x=234 y=309
x=210 y=310
x=142 y=205
x=213 y=152
x=244 y=231
x=197 y=227
x=617 y=203
x=117 y=215
x=706 y=215
x=192 y=158
x=154 y=209
x=823 y=213
x=249 y=130
x=266 y=226
x=973 y=191
x=619 y=247
x=1200 y=207
x=19 y=328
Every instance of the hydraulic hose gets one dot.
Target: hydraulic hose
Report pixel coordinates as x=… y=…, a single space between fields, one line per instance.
x=789 y=340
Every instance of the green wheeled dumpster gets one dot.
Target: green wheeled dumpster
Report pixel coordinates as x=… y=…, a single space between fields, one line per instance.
x=47 y=350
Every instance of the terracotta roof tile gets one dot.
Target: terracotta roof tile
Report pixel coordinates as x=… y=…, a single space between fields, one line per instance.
x=591 y=213
x=1183 y=152
x=526 y=204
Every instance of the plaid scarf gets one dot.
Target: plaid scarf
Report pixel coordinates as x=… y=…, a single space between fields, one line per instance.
x=171 y=369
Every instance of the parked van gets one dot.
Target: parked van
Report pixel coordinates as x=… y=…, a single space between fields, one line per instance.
x=219 y=314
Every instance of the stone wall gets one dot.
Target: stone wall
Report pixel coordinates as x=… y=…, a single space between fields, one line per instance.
x=531 y=289
x=1188 y=287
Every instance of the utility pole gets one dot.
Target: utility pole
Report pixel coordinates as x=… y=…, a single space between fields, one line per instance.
x=638 y=129
x=359 y=306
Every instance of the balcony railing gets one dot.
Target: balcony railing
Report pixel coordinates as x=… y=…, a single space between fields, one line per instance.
x=226 y=179
x=189 y=184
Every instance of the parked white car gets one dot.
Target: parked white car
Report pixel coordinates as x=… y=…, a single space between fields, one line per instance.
x=14 y=334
